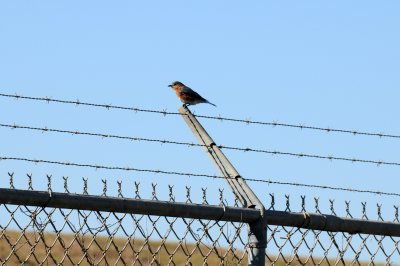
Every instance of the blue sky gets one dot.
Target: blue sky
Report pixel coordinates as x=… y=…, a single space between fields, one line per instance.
x=325 y=63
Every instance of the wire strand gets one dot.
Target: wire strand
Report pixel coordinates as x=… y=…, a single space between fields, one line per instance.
x=313 y=156
x=98 y=166
x=79 y=103
x=164 y=141
x=219 y=118
x=323 y=187
x=102 y=135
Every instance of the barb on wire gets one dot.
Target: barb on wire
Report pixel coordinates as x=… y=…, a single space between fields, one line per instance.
x=164 y=141
x=97 y=166
x=219 y=118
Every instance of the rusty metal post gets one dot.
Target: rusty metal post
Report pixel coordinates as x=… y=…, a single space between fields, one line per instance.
x=257 y=233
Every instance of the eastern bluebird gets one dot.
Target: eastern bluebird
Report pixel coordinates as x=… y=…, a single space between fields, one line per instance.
x=187 y=95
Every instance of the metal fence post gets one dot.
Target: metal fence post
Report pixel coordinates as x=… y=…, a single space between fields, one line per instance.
x=257 y=234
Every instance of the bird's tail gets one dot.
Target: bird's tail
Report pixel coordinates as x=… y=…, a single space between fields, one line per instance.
x=210 y=103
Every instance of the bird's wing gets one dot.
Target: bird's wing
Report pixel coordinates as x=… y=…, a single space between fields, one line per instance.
x=190 y=93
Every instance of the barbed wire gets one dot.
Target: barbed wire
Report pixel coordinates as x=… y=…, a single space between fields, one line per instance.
x=79 y=103
x=323 y=187
x=164 y=141
x=102 y=135
x=219 y=118
x=98 y=166
x=313 y=156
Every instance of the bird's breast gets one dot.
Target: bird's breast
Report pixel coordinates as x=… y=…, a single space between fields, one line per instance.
x=185 y=98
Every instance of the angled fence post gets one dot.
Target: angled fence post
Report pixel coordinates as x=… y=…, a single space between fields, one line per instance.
x=257 y=230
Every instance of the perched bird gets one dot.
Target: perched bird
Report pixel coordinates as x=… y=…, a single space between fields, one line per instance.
x=187 y=95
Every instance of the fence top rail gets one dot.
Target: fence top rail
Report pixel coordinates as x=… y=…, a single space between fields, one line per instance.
x=196 y=211
x=332 y=223
x=126 y=205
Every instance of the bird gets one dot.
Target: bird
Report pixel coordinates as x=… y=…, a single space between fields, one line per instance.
x=187 y=95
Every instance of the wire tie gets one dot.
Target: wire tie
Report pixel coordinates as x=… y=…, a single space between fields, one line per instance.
x=307 y=220
x=223 y=213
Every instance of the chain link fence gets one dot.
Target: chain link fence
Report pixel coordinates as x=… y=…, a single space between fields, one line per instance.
x=40 y=235
x=37 y=233
x=300 y=246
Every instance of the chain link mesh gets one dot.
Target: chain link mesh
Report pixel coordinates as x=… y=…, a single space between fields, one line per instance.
x=297 y=246
x=52 y=236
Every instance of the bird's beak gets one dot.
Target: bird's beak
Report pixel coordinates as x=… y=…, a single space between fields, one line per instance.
x=170 y=86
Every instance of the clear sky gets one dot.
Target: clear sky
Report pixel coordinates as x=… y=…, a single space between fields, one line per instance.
x=322 y=63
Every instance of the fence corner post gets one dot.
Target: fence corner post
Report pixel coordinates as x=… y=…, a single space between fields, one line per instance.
x=257 y=237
